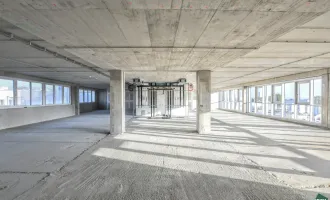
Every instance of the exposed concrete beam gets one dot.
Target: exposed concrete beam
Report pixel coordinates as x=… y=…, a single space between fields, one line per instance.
x=155 y=47
x=31 y=44
x=277 y=66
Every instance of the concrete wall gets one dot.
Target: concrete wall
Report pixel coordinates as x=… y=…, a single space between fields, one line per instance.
x=103 y=100
x=88 y=107
x=12 y=117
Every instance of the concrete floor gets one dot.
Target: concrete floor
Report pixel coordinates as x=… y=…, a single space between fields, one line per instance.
x=244 y=157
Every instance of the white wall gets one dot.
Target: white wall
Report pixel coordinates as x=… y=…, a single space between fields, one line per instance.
x=12 y=117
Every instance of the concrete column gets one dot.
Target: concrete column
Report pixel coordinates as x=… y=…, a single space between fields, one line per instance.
x=75 y=99
x=325 y=101
x=203 y=107
x=117 y=102
x=186 y=99
x=244 y=100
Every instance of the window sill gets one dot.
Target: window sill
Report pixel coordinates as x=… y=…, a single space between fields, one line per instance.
x=35 y=106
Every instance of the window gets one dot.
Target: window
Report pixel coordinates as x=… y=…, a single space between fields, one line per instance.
x=278 y=93
x=81 y=96
x=268 y=94
x=85 y=96
x=93 y=96
x=66 y=95
x=317 y=92
x=36 y=92
x=303 y=92
x=289 y=93
x=260 y=95
x=317 y=101
x=89 y=96
x=252 y=99
x=252 y=94
x=268 y=99
x=6 y=92
x=58 y=94
x=240 y=95
x=23 y=93
x=49 y=94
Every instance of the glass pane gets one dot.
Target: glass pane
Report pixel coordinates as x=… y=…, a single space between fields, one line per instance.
x=252 y=94
x=303 y=92
x=85 y=96
x=240 y=95
x=260 y=94
x=81 y=96
x=278 y=110
x=278 y=93
x=235 y=96
x=66 y=95
x=268 y=94
x=36 y=93
x=317 y=97
x=289 y=111
x=303 y=112
x=289 y=93
x=93 y=96
x=6 y=92
x=58 y=94
x=252 y=107
x=49 y=94
x=89 y=96
x=269 y=107
x=260 y=108
x=23 y=93
x=316 y=114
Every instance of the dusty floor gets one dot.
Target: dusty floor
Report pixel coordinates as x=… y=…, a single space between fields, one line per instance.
x=243 y=158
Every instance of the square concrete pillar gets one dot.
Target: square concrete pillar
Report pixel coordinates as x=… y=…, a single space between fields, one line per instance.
x=117 y=102
x=203 y=107
x=75 y=99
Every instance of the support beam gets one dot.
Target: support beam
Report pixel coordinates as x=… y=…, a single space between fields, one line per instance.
x=203 y=80
x=117 y=102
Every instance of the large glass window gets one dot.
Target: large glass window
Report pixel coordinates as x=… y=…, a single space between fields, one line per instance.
x=36 y=92
x=304 y=92
x=89 y=96
x=289 y=100
x=299 y=100
x=252 y=98
x=58 y=94
x=6 y=92
x=277 y=96
x=66 y=95
x=278 y=93
x=268 y=95
x=81 y=96
x=93 y=96
x=49 y=94
x=260 y=95
x=85 y=96
x=23 y=93
x=317 y=92
x=317 y=101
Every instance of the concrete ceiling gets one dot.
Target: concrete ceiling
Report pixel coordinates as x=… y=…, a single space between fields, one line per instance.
x=239 y=40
